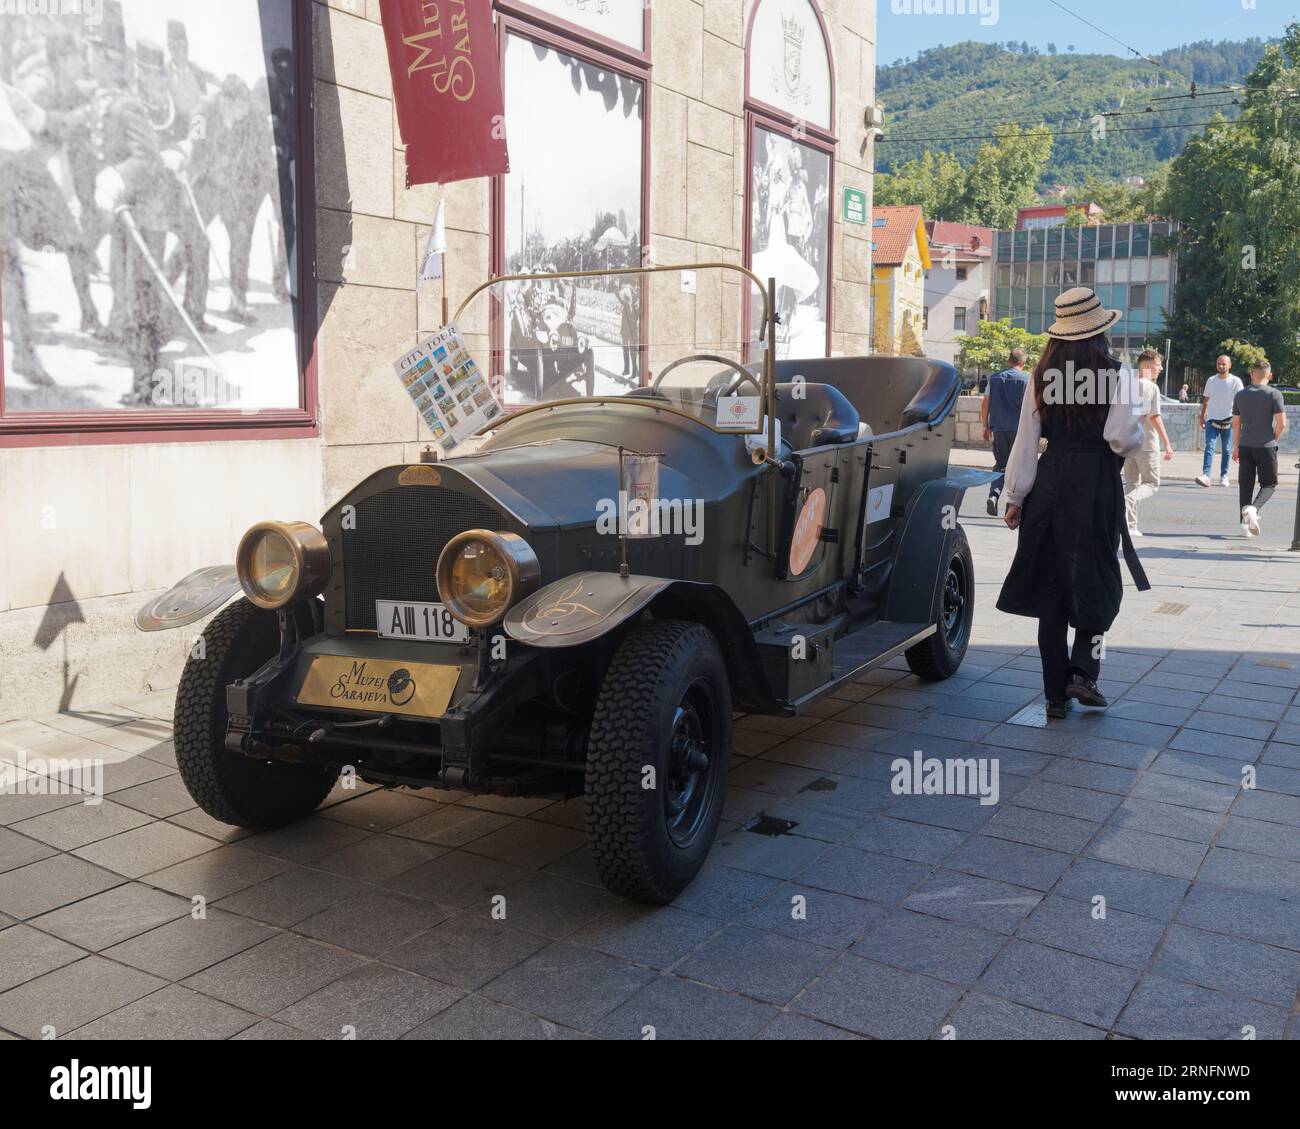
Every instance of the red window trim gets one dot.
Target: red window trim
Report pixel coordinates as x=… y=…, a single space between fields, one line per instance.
x=107 y=426
x=761 y=114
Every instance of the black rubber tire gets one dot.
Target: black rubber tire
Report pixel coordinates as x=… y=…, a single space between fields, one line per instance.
x=937 y=658
x=232 y=787
x=627 y=828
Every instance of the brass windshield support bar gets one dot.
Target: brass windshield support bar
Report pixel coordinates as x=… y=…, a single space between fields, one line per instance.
x=769 y=395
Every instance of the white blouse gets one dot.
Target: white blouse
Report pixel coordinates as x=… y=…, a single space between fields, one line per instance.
x=1123 y=432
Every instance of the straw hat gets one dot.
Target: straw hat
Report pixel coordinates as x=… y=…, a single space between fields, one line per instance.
x=1079 y=315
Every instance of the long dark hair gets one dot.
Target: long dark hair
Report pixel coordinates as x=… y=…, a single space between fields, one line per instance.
x=1091 y=356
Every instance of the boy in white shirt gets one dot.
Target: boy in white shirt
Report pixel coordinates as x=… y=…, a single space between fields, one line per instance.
x=1216 y=418
x=1142 y=471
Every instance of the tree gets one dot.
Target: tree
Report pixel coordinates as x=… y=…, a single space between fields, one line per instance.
x=1244 y=355
x=1236 y=195
x=989 y=350
x=1004 y=176
x=1051 y=48
x=936 y=181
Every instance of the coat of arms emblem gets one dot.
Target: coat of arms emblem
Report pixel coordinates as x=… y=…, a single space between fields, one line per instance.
x=794 y=33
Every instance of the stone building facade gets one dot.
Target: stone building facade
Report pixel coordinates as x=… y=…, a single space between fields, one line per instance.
x=101 y=513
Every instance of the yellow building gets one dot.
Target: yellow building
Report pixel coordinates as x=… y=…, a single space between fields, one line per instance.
x=900 y=257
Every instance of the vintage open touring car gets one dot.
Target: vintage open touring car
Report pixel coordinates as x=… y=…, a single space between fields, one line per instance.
x=472 y=624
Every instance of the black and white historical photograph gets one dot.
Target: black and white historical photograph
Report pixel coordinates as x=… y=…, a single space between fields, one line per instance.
x=790 y=237
x=148 y=233
x=573 y=201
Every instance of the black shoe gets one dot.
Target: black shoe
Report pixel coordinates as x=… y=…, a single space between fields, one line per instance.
x=1084 y=690
x=992 y=506
x=1056 y=711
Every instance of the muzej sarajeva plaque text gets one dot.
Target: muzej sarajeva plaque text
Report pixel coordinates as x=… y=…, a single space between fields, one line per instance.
x=447 y=87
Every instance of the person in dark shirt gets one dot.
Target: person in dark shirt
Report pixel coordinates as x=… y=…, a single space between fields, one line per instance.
x=1258 y=424
x=1000 y=413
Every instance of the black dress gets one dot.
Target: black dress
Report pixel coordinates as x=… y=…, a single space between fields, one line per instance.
x=1071 y=526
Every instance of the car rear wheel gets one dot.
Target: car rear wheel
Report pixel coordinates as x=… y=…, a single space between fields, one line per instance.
x=657 y=760
x=232 y=787
x=941 y=654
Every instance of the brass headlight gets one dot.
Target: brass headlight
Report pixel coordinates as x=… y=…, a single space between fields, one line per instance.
x=481 y=575
x=279 y=562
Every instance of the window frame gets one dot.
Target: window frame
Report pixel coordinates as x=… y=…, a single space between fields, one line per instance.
x=189 y=425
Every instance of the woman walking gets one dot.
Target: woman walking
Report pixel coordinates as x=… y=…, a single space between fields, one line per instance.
x=1069 y=506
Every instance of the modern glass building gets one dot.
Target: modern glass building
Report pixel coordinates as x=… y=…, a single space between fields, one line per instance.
x=1122 y=262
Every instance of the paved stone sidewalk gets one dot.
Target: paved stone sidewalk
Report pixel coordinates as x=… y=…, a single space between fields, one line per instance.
x=871 y=915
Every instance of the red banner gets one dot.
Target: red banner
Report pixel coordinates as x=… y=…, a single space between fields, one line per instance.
x=447 y=85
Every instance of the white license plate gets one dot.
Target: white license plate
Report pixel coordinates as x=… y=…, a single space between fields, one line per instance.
x=429 y=623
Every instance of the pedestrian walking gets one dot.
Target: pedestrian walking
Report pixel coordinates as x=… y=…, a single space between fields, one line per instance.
x=1069 y=505
x=1184 y=394
x=1216 y=418
x=1142 y=471
x=1258 y=424
x=1000 y=413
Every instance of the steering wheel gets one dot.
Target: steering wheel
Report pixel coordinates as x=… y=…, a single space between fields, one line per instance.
x=742 y=373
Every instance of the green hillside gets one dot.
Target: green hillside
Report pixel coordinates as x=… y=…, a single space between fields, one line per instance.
x=968 y=89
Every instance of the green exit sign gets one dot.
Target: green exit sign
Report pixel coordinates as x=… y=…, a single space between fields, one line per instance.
x=855 y=206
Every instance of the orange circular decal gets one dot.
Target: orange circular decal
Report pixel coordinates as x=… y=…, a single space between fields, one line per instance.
x=807 y=532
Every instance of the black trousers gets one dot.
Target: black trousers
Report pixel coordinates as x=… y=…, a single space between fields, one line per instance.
x=1059 y=659
x=1261 y=461
x=1003 y=441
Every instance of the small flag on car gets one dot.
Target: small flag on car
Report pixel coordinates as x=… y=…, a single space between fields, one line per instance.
x=431 y=268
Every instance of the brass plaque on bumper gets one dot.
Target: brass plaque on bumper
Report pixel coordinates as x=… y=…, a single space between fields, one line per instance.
x=378 y=686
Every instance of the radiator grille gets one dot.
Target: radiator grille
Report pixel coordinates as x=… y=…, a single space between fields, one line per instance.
x=391 y=553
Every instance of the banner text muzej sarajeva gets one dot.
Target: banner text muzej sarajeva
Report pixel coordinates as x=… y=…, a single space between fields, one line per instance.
x=447 y=87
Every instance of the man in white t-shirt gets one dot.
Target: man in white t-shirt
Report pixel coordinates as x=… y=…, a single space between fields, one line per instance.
x=1216 y=417
x=1142 y=471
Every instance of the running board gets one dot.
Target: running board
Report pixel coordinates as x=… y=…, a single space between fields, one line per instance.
x=864 y=650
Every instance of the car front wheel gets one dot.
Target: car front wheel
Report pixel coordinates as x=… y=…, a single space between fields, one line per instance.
x=657 y=760
x=941 y=654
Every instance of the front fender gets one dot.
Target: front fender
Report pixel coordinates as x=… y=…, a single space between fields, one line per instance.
x=199 y=594
x=580 y=608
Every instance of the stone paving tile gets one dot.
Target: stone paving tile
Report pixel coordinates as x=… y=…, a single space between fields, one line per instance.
x=121 y=776
x=1218 y=744
x=102 y=920
x=188 y=945
x=829 y=825
x=307 y=840
x=755 y=963
x=75 y=826
x=269 y=1030
x=669 y=1008
x=1241 y=870
x=1275 y=778
x=1016 y=863
x=818 y=917
x=1094 y=777
x=777 y=856
x=568 y=984
x=1240 y=913
x=1254 y=728
x=474 y=1018
x=466 y=951
x=18 y=850
x=160 y=797
x=1176 y=822
x=875 y=878
x=290 y=897
x=1076 y=987
x=505 y=805
x=721 y=892
x=1261 y=838
x=269 y=977
x=983 y=1017
x=26 y=954
x=217 y=873
x=1181 y=791
x=973 y=901
x=39 y=887
x=528 y=843
x=1229 y=964
x=884 y=1003
x=373 y=922
x=379 y=857
x=1040 y=828
x=1169 y=1009
x=1156 y=896
x=453 y=826
x=380 y=810
x=172 y=1012
x=73 y=995
x=145 y=849
x=1268 y=806
x=197 y=820
x=956 y=813
x=373 y=1002
x=1118 y=938
x=554 y=906
x=1286 y=756
x=791 y=1027
x=918 y=943
x=656 y=936
x=901 y=839
x=15 y=809
x=1158 y=853
x=457 y=879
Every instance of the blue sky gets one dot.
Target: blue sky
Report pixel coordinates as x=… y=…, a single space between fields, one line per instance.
x=1150 y=26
